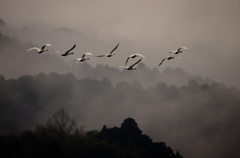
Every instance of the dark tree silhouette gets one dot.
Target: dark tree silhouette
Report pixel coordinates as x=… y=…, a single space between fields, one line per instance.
x=48 y=141
x=129 y=128
x=130 y=136
x=61 y=120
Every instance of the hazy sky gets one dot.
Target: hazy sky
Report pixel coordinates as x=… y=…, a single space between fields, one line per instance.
x=210 y=29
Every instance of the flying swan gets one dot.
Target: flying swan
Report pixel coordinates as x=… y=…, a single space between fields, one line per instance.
x=83 y=58
x=134 y=56
x=178 y=51
x=110 y=54
x=67 y=52
x=169 y=58
x=40 y=50
x=131 y=67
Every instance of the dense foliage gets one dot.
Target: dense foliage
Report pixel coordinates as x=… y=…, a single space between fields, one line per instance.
x=51 y=140
x=208 y=114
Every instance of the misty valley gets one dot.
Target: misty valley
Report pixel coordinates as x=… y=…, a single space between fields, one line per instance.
x=179 y=114
x=166 y=113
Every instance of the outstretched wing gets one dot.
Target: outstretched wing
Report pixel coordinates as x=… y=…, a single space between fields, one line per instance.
x=88 y=54
x=71 y=49
x=182 y=48
x=161 y=62
x=134 y=55
x=136 y=63
x=141 y=56
x=114 y=48
x=45 y=46
x=83 y=55
x=127 y=61
x=179 y=49
x=34 y=48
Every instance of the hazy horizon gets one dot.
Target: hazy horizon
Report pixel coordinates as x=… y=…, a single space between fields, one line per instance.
x=182 y=102
x=208 y=29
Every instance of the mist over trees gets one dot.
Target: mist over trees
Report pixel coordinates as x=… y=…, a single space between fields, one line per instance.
x=194 y=115
x=208 y=114
x=16 y=62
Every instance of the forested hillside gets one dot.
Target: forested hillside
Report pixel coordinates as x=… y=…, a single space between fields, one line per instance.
x=55 y=139
x=190 y=113
x=206 y=113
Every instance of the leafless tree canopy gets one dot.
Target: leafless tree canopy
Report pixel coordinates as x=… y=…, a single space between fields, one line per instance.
x=61 y=120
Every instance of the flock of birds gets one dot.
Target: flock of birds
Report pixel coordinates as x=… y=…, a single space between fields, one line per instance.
x=131 y=67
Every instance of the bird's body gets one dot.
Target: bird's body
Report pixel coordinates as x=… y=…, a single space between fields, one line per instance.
x=131 y=67
x=169 y=58
x=134 y=56
x=67 y=52
x=110 y=54
x=83 y=57
x=40 y=50
x=178 y=51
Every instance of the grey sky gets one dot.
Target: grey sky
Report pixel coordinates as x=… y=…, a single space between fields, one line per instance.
x=210 y=29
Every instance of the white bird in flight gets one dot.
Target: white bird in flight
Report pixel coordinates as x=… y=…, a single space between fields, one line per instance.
x=169 y=58
x=82 y=59
x=40 y=50
x=178 y=51
x=134 y=56
x=110 y=54
x=131 y=67
x=67 y=52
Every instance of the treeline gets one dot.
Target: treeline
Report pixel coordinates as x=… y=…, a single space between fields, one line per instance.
x=209 y=112
x=60 y=137
x=25 y=97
